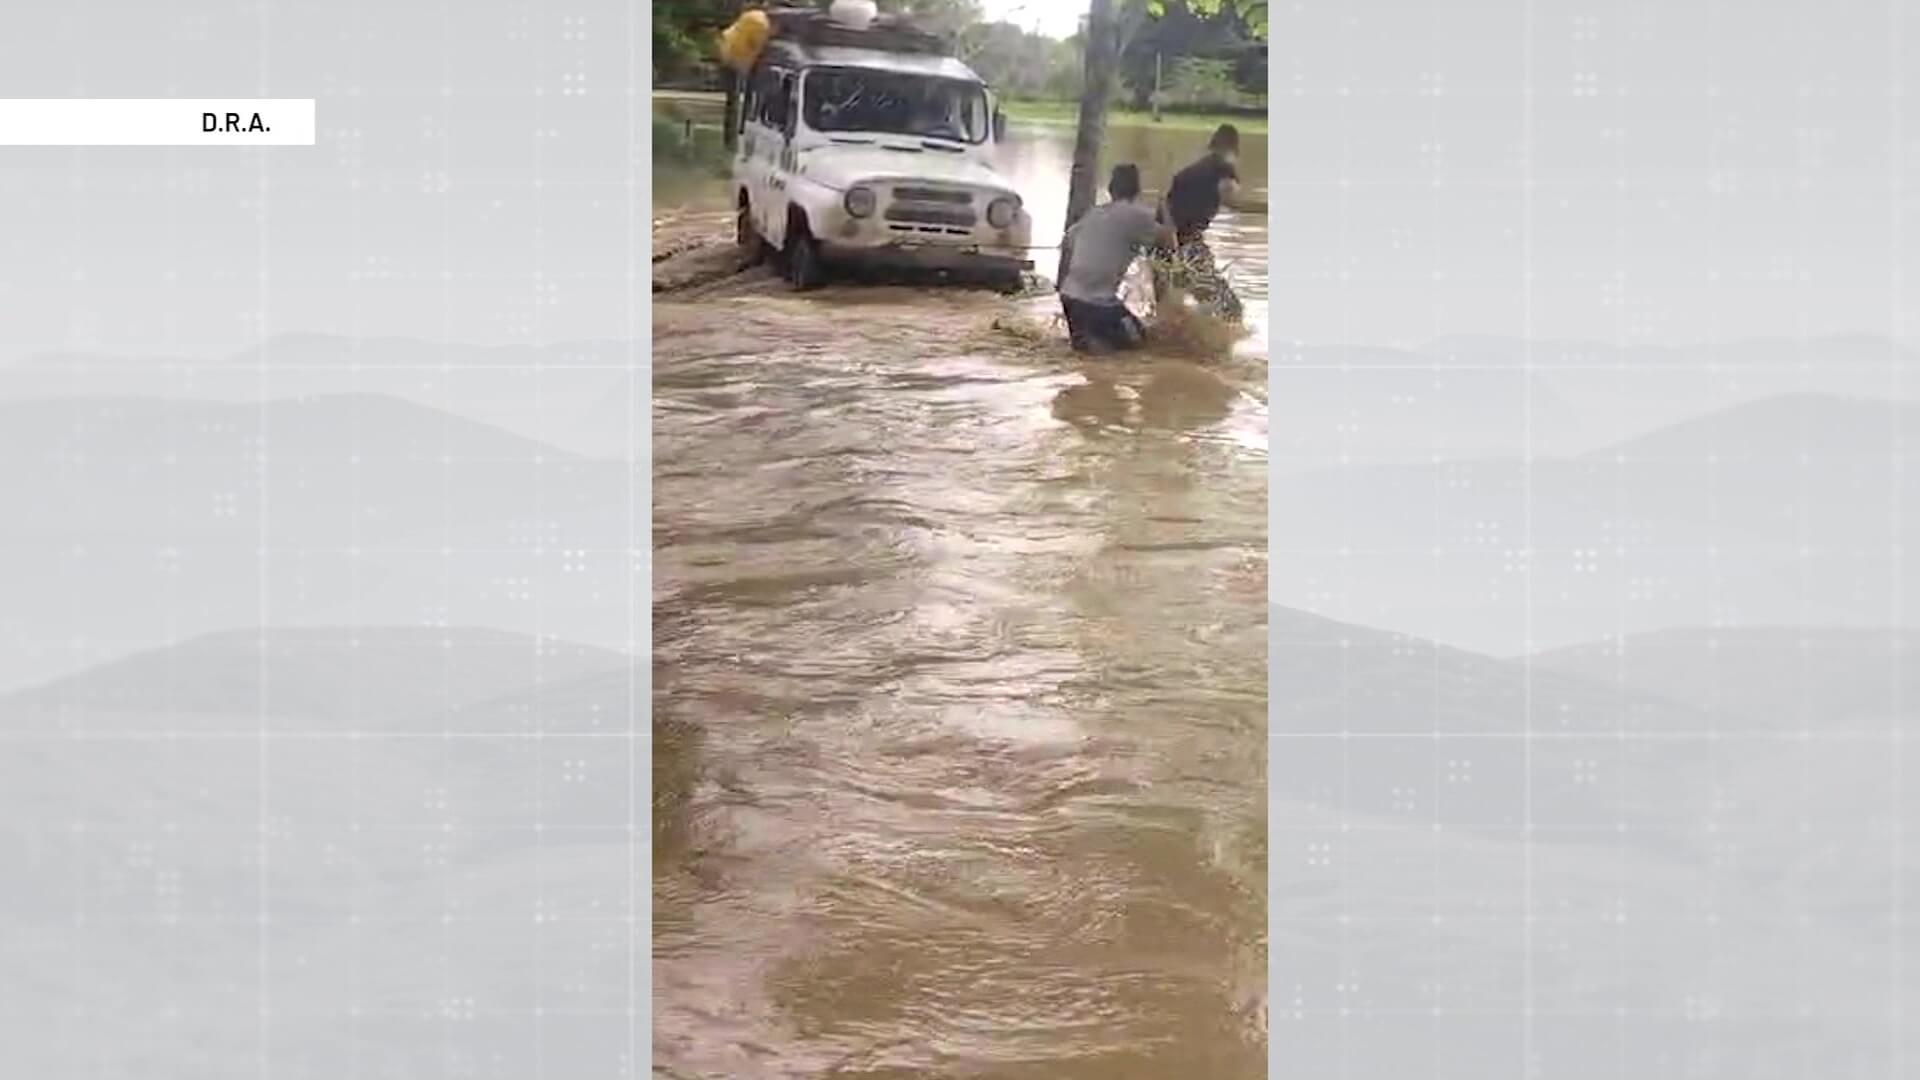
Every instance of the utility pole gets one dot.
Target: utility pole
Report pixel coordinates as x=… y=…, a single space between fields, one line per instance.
x=1103 y=41
x=730 y=119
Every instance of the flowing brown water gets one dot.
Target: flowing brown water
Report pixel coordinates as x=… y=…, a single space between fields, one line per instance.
x=961 y=690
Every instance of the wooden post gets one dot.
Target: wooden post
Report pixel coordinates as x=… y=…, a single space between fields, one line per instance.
x=1156 y=86
x=730 y=119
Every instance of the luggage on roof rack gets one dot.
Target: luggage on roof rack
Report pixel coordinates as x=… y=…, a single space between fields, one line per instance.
x=889 y=33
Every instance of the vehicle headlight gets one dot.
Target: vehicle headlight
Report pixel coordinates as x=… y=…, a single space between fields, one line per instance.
x=860 y=201
x=1001 y=210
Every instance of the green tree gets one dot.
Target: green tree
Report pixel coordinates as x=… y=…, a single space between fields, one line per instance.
x=1175 y=31
x=1196 y=82
x=1019 y=63
x=1251 y=13
x=684 y=30
x=948 y=17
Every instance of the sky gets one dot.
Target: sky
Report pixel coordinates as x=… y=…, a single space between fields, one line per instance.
x=1054 y=18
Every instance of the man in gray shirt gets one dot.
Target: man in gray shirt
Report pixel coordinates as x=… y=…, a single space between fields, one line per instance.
x=1100 y=247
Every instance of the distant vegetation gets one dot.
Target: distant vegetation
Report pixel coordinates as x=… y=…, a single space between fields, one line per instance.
x=1211 y=56
x=682 y=141
x=1066 y=114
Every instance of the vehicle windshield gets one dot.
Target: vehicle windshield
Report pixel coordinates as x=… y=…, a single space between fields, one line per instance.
x=893 y=103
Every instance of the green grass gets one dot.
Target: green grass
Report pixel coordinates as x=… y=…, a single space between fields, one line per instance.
x=1067 y=114
x=689 y=146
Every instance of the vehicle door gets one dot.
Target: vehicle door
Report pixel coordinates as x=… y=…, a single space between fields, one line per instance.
x=783 y=123
x=745 y=130
x=758 y=153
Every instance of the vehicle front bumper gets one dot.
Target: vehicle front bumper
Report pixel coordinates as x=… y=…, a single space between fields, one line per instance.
x=874 y=242
x=930 y=256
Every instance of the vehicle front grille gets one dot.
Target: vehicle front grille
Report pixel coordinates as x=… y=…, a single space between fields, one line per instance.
x=928 y=230
x=933 y=195
x=916 y=210
x=931 y=215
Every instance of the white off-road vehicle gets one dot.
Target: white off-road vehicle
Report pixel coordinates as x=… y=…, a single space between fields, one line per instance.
x=862 y=141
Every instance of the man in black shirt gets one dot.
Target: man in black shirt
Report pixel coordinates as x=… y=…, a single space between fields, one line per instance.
x=1195 y=196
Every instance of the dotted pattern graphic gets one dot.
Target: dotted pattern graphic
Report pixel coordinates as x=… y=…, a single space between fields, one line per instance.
x=1592 y=654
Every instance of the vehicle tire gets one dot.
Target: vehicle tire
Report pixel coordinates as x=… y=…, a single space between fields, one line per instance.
x=804 y=268
x=744 y=234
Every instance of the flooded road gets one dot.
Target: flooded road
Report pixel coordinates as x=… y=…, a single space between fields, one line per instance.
x=960 y=695
x=1037 y=160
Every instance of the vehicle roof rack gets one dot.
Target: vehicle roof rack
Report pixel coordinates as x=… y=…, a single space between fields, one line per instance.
x=889 y=33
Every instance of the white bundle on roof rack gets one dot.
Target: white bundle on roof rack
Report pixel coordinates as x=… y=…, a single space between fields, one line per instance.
x=853 y=14
x=812 y=26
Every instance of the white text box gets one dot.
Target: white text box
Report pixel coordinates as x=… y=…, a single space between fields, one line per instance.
x=156 y=121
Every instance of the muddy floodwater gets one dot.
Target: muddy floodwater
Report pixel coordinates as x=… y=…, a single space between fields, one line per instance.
x=960 y=690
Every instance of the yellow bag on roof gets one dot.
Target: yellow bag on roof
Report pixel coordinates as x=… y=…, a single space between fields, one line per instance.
x=740 y=44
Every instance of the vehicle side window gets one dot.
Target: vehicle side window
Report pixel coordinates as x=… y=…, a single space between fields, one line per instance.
x=777 y=90
x=974 y=116
x=760 y=97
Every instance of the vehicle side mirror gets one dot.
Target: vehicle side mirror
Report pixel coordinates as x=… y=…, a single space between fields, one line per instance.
x=999 y=126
